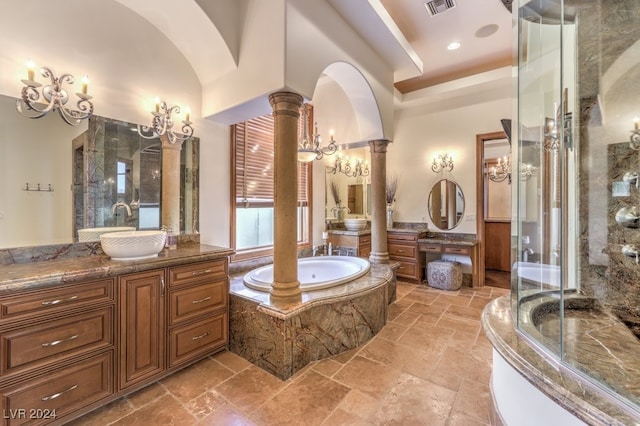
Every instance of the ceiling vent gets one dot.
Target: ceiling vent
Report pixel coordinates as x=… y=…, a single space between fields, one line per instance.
x=436 y=7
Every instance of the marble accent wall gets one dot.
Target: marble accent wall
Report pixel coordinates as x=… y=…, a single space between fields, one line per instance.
x=283 y=345
x=607 y=33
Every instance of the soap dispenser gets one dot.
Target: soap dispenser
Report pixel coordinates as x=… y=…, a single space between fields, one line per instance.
x=171 y=241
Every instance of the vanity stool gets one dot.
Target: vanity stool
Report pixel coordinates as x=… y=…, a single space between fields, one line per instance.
x=444 y=275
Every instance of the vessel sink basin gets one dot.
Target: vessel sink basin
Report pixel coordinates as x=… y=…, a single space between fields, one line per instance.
x=355 y=224
x=132 y=245
x=93 y=234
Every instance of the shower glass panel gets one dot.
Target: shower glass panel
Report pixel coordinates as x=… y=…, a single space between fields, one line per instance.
x=577 y=146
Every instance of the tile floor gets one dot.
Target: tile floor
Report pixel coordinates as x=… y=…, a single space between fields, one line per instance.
x=429 y=365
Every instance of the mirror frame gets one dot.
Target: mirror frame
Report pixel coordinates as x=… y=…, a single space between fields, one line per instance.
x=459 y=220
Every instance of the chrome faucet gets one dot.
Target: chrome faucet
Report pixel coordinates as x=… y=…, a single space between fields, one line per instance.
x=525 y=254
x=119 y=204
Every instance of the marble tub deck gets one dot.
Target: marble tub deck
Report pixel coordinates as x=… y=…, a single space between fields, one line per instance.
x=284 y=339
x=595 y=343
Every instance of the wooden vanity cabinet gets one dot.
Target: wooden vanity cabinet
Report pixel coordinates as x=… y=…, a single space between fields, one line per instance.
x=360 y=244
x=403 y=248
x=142 y=332
x=57 y=351
x=68 y=349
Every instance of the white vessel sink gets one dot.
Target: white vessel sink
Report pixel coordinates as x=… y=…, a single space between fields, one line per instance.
x=132 y=245
x=93 y=234
x=355 y=224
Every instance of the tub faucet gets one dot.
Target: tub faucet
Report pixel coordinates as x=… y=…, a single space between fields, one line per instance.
x=119 y=204
x=525 y=254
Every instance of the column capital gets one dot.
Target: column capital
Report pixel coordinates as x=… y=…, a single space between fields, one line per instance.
x=286 y=103
x=379 y=146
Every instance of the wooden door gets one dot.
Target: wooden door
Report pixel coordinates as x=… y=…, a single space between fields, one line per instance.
x=142 y=327
x=497 y=245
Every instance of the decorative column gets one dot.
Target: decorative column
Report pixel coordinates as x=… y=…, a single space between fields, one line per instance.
x=170 y=201
x=286 y=111
x=379 y=253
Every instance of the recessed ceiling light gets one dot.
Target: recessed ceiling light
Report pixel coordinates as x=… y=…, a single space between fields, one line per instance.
x=454 y=45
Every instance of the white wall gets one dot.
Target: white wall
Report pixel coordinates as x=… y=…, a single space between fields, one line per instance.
x=446 y=127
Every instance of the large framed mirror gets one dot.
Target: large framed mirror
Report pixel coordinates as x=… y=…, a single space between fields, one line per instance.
x=89 y=168
x=446 y=204
x=347 y=189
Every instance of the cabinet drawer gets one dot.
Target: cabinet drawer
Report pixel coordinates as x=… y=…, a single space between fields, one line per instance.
x=195 y=339
x=463 y=250
x=55 y=300
x=190 y=302
x=401 y=237
x=364 y=239
x=50 y=398
x=30 y=347
x=197 y=272
x=407 y=270
x=364 y=251
x=402 y=250
x=431 y=248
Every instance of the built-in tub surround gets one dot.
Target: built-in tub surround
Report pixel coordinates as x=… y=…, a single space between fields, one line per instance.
x=597 y=343
x=282 y=340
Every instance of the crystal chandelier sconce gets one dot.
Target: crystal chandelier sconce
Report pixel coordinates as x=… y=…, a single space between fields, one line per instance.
x=634 y=139
x=36 y=102
x=501 y=171
x=552 y=135
x=442 y=162
x=526 y=171
x=309 y=150
x=162 y=124
x=343 y=165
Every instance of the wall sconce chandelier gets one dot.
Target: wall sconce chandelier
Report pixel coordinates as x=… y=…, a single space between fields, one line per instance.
x=31 y=104
x=442 y=162
x=309 y=150
x=162 y=124
x=502 y=170
x=343 y=165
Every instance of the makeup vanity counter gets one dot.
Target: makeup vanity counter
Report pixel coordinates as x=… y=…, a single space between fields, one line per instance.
x=78 y=333
x=434 y=248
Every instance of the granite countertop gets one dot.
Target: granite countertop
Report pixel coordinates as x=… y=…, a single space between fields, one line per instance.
x=408 y=230
x=45 y=273
x=347 y=232
x=597 y=346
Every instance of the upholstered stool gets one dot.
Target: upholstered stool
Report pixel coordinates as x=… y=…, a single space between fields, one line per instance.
x=444 y=275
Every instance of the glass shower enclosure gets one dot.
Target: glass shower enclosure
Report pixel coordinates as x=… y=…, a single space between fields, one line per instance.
x=576 y=297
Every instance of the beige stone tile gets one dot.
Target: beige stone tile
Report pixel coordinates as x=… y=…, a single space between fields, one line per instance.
x=225 y=416
x=206 y=404
x=449 y=299
x=111 y=412
x=145 y=395
x=163 y=411
x=461 y=419
x=446 y=378
x=195 y=380
x=232 y=361
x=397 y=308
x=429 y=313
x=327 y=366
x=250 y=388
x=465 y=312
x=426 y=298
x=456 y=323
x=310 y=399
x=341 y=417
x=465 y=365
x=367 y=376
x=358 y=403
x=479 y=302
x=406 y=318
x=345 y=356
x=413 y=401
x=426 y=338
x=392 y=331
x=400 y=356
x=482 y=348
x=462 y=341
x=402 y=288
x=474 y=400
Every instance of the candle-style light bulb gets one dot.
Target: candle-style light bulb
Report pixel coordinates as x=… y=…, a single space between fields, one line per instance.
x=636 y=120
x=187 y=114
x=85 y=84
x=31 y=66
x=157 y=102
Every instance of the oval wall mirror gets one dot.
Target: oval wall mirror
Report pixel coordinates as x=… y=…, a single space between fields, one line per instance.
x=446 y=204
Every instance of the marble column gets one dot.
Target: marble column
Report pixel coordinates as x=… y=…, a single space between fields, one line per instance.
x=286 y=111
x=170 y=201
x=379 y=253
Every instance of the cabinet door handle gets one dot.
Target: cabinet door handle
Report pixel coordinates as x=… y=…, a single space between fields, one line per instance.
x=55 y=302
x=55 y=395
x=195 y=302
x=400 y=251
x=457 y=250
x=200 y=336
x=206 y=271
x=57 y=342
x=162 y=286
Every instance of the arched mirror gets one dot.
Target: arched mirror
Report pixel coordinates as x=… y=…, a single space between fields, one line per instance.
x=446 y=204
